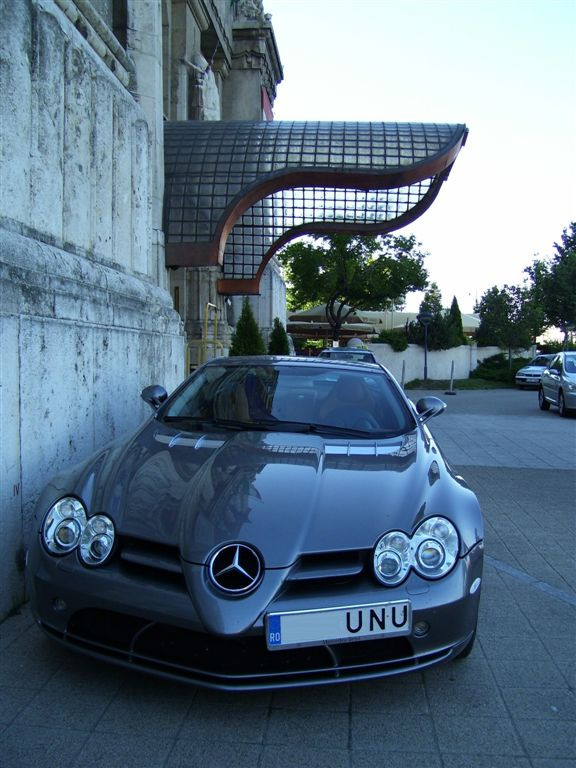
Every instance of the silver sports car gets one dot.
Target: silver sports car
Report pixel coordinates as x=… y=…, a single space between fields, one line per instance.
x=277 y=522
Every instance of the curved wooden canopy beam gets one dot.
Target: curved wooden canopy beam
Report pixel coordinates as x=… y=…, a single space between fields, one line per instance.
x=237 y=192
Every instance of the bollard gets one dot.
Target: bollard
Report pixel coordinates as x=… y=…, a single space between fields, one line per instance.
x=451 y=390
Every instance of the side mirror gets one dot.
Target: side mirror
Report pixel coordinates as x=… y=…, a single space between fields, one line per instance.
x=154 y=395
x=428 y=407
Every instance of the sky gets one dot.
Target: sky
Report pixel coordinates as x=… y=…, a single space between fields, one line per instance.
x=505 y=68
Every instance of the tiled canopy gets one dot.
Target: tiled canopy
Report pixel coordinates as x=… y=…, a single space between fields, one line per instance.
x=237 y=191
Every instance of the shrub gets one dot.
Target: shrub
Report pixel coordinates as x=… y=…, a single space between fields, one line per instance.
x=497 y=368
x=278 y=344
x=397 y=340
x=247 y=339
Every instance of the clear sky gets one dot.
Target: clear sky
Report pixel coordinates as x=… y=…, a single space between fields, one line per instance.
x=506 y=68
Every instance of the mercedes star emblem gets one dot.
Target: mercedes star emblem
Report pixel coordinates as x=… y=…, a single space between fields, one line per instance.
x=236 y=569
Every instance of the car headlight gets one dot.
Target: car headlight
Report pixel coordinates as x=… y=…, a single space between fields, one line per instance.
x=63 y=526
x=97 y=540
x=431 y=551
x=392 y=558
x=67 y=527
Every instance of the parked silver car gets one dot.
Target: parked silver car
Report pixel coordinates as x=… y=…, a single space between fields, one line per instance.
x=529 y=375
x=277 y=522
x=558 y=384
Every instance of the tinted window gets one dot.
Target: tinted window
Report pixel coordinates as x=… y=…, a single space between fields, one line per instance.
x=306 y=394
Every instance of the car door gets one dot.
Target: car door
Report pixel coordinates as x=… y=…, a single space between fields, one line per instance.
x=551 y=382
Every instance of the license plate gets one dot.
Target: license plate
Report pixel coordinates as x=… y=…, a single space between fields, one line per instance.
x=338 y=625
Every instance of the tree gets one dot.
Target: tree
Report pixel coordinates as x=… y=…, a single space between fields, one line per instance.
x=505 y=318
x=456 y=335
x=554 y=283
x=278 y=344
x=247 y=339
x=445 y=328
x=347 y=273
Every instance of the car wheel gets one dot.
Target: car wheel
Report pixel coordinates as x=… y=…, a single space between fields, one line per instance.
x=542 y=402
x=562 y=404
x=467 y=650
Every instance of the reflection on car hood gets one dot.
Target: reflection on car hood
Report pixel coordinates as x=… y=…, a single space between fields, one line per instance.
x=531 y=369
x=285 y=493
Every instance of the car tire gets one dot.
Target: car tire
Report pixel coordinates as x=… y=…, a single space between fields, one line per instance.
x=467 y=650
x=542 y=402
x=562 y=410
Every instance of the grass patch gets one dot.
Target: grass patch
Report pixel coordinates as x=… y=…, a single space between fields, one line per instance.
x=462 y=384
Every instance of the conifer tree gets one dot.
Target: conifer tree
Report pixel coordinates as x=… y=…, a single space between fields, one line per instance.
x=278 y=344
x=247 y=339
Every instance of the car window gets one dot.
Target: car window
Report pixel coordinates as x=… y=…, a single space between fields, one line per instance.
x=557 y=364
x=308 y=394
x=570 y=364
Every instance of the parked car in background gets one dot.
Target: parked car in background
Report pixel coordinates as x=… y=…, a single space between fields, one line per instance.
x=558 y=384
x=353 y=354
x=278 y=521
x=529 y=375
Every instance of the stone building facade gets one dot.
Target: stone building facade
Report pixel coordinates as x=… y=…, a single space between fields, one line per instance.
x=87 y=312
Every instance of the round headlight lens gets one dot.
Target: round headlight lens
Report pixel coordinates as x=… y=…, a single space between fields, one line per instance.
x=430 y=554
x=97 y=540
x=389 y=564
x=435 y=544
x=63 y=525
x=392 y=558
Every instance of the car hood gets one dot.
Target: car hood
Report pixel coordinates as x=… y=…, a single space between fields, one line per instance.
x=531 y=369
x=285 y=493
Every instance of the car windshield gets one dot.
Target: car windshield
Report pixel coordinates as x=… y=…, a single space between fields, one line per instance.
x=307 y=397
x=541 y=362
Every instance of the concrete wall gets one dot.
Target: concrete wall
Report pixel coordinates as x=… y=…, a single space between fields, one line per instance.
x=409 y=364
x=86 y=319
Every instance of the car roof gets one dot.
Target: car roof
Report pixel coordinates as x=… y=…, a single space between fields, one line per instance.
x=325 y=362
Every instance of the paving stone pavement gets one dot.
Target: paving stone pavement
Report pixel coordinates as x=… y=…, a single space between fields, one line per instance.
x=511 y=704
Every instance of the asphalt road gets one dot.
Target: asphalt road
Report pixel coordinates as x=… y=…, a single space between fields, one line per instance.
x=511 y=704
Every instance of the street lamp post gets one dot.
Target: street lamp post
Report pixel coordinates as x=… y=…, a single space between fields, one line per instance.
x=425 y=318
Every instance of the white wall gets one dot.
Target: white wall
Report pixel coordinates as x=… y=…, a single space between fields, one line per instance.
x=409 y=364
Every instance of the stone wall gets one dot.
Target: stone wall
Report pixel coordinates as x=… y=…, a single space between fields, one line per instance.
x=86 y=320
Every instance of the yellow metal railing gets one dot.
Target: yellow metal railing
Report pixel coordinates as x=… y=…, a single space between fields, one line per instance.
x=216 y=345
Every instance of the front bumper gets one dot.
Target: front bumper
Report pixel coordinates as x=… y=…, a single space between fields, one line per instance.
x=528 y=381
x=152 y=625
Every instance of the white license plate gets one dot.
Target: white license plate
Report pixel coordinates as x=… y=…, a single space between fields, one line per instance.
x=338 y=625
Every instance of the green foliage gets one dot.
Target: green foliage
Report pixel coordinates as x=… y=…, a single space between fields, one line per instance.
x=396 y=338
x=553 y=283
x=456 y=335
x=505 y=318
x=445 y=329
x=278 y=343
x=352 y=272
x=459 y=384
x=247 y=339
x=498 y=368
x=551 y=347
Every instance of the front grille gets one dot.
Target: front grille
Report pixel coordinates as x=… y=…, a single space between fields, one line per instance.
x=163 y=563
x=233 y=662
